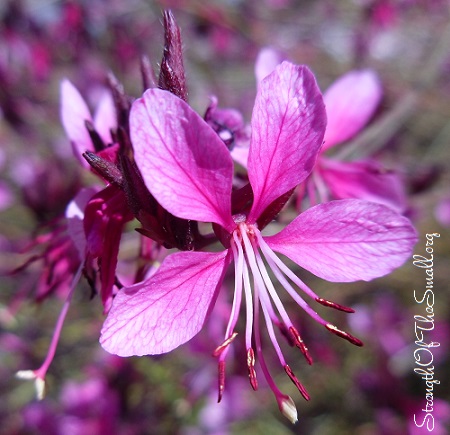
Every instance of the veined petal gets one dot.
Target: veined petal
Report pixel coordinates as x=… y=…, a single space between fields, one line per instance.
x=74 y=114
x=350 y=103
x=347 y=240
x=364 y=180
x=288 y=124
x=168 y=309
x=183 y=162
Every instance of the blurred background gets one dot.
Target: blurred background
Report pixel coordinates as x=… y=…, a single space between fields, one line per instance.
x=367 y=391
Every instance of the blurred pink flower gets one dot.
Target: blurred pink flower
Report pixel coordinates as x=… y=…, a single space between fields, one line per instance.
x=442 y=212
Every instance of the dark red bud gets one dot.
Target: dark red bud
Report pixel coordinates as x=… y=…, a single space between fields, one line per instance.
x=108 y=170
x=171 y=75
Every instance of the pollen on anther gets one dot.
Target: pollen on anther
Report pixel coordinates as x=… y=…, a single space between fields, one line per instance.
x=221 y=380
x=224 y=345
x=300 y=344
x=344 y=335
x=296 y=382
x=334 y=305
x=251 y=369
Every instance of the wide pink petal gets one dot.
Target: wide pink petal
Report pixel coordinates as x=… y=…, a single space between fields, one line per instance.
x=185 y=165
x=347 y=240
x=168 y=309
x=350 y=103
x=364 y=180
x=288 y=124
x=74 y=114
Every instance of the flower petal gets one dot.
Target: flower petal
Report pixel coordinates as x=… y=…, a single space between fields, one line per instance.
x=350 y=103
x=347 y=240
x=74 y=114
x=168 y=309
x=183 y=162
x=364 y=180
x=288 y=125
x=105 y=118
x=268 y=58
x=75 y=216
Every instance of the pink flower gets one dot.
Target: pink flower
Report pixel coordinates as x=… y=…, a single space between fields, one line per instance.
x=77 y=120
x=189 y=171
x=350 y=103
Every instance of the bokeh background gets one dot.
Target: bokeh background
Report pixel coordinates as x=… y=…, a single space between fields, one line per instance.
x=367 y=391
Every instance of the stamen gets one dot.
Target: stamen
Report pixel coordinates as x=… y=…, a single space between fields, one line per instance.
x=251 y=368
x=300 y=344
x=311 y=192
x=334 y=305
x=221 y=380
x=283 y=281
x=269 y=254
x=259 y=281
x=238 y=269
x=262 y=362
x=296 y=382
x=321 y=187
x=249 y=308
x=224 y=345
x=285 y=403
x=268 y=283
x=261 y=290
x=248 y=295
x=287 y=334
x=39 y=374
x=344 y=335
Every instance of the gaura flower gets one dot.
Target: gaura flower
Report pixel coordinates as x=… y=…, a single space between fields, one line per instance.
x=188 y=169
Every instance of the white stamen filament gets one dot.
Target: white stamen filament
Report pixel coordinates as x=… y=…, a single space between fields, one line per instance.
x=267 y=251
x=260 y=285
x=283 y=281
x=237 y=298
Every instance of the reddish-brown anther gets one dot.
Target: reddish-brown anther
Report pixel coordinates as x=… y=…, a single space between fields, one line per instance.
x=221 y=380
x=300 y=344
x=343 y=334
x=251 y=369
x=296 y=382
x=334 y=305
x=171 y=75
